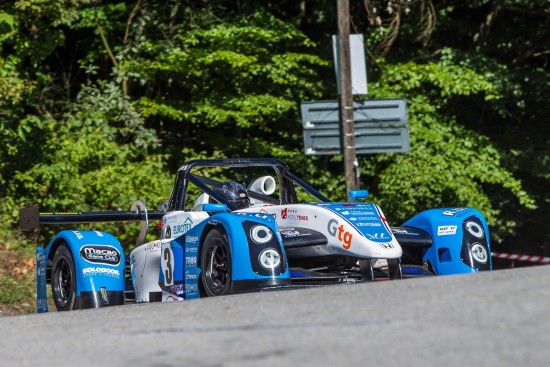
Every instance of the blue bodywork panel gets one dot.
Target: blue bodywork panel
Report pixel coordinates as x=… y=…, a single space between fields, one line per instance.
x=98 y=262
x=460 y=243
x=245 y=253
x=41 y=293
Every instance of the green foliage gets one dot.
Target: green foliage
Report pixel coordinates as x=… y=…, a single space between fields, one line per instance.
x=448 y=165
x=242 y=78
x=97 y=159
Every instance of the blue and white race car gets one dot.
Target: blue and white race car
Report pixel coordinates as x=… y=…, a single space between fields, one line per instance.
x=223 y=233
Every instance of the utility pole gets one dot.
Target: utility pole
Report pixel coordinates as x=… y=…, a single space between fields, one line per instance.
x=346 y=98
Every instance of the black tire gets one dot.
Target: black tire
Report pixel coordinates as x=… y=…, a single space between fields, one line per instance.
x=367 y=270
x=216 y=264
x=394 y=268
x=63 y=279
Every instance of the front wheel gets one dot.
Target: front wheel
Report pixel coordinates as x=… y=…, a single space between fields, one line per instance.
x=63 y=279
x=216 y=264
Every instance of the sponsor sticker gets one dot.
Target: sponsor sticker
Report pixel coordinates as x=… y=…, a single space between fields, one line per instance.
x=257 y=216
x=101 y=271
x=262 y=210
x=446 y=230
x=358 y=212
x=338 y=231
x=377 y=236
x=458 y=212
x=153 y=245
x=182 y=228
x=100 y=254
x=368 y=224
x=293 y=214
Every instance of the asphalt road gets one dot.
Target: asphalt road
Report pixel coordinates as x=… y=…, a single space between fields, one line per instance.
x=499 y=319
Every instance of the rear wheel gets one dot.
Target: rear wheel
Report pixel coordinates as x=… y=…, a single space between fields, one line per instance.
x=63 y=279
x=216 y=264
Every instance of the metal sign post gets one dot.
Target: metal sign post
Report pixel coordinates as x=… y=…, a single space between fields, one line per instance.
x=346 y=98
x=351 y=127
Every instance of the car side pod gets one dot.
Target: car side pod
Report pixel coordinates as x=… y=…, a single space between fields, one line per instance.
x=460 y=240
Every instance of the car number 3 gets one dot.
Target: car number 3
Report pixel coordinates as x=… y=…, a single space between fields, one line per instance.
x=167 y=267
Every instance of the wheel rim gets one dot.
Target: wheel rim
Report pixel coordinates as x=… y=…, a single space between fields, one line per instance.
x=218 y=269
x=63 y=283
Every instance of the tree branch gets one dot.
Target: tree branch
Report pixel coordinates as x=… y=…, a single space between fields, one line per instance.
x=110 y=53
x=130 y=18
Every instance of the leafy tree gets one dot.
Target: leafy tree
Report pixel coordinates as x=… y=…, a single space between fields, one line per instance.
x=448 y=165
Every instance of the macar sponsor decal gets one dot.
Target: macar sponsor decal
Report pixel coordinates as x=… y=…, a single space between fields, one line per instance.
x=100 y=254
x=337 y=230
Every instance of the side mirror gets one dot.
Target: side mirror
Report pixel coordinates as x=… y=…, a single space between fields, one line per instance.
x=359 y=194
x=214 y=208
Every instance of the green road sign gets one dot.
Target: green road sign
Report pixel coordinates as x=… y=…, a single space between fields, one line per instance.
x=380 y=126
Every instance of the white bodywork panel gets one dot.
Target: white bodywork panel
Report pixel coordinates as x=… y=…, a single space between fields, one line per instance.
x=145 y=267
x=176 y=223
x=344 y=238
x=145 y=260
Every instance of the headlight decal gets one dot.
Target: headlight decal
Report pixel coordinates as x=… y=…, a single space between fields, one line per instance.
x=270 y=258
x=261 y=234
x=475 y=250
x=474 y=228
x=479 y=253
x=265 y=251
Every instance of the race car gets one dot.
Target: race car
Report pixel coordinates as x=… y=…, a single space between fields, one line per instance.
x=244 y=225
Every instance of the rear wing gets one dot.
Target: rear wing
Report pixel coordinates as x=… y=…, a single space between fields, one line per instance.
x=30 y=218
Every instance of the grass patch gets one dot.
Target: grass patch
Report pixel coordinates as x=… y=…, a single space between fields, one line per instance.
x=17 y=281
